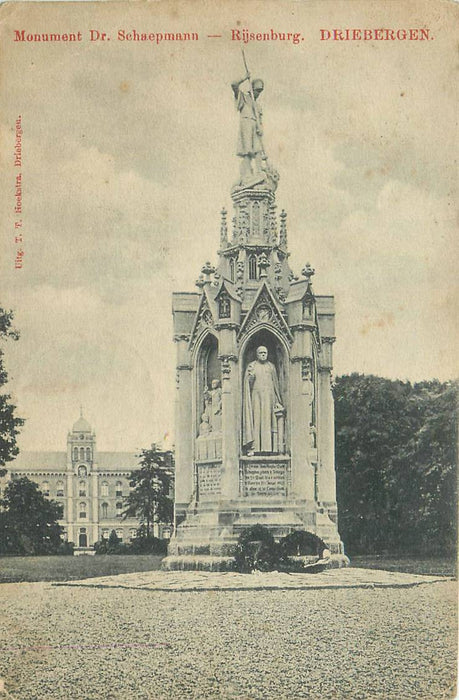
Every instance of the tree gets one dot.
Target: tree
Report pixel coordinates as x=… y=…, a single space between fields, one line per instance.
x=28 y=520
x=396 y=464
x=9 y=422
x=427 y=470
x=150 y=499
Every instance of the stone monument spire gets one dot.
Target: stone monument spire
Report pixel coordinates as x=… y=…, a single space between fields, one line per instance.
x=257 y=249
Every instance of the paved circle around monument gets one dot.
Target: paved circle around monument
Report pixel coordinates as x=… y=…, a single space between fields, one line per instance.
x=227 y=581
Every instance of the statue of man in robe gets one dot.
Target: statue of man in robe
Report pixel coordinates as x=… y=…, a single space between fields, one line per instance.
x=263 y=407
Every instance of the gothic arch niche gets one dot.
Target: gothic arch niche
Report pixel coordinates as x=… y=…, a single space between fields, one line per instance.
x=207 y=371
x=279 y=356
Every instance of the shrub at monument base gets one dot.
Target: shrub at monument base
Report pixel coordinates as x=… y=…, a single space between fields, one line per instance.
x=256 y=550
x=300 y=551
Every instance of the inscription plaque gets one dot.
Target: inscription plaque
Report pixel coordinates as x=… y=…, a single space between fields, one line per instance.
x=264 y=479
x=209 y=479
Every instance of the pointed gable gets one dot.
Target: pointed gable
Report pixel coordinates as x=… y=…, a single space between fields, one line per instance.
x=265 y=312
x=301 y=304
x=228 y=287
x=205 y=316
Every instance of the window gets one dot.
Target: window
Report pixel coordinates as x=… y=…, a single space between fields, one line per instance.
x=60 y=488
x=62 y=506
x=104 y=488
x=88 y=454
x=75 y=453
x=119 y=534
x=231 y=267
x=82 y=488
x=119 y=509
x=119 y=488
x=105 y=534
x=82 y=510
x=81 y=452
x=253 y=267
x=104 y=508
x=224 y=306
x=132 y=533
x=82 y=471
x=307 y=308
x=45 y=488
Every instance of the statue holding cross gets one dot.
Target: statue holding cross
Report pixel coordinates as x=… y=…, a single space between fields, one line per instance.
x=254 y=164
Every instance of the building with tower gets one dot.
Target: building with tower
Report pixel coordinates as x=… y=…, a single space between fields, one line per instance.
x=254 y=365
x=91 y=486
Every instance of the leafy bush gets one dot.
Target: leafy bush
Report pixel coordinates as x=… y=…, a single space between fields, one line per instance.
x=113 y=543
x=148 y=545
x=101 y=546
x=301 y=543
x=65 y=549
x=300 y=550
x=256 y=550
x=139 y=545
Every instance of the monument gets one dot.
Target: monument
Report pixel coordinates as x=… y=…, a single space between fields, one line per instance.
x=254 y=404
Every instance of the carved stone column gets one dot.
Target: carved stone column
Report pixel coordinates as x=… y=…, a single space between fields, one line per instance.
x=184 y=438
x=230 y=428
x=302 y=473
x=326 y=429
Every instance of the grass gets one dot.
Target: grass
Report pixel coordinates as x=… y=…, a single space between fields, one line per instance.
x=16 y=569
x=433 y=566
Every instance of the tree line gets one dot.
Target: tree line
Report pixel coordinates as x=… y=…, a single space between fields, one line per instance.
x=396 y=465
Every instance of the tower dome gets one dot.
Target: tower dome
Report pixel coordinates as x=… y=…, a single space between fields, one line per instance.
x=81 y=425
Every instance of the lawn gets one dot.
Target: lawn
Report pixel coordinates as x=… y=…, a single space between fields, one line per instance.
x=14 y=569
x=433 y=566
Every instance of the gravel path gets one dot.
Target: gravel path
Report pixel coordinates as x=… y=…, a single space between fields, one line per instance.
x=77 y=643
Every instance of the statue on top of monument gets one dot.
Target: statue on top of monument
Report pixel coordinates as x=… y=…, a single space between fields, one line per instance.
x=249 y=145
x=255 y=168
x=263 y=412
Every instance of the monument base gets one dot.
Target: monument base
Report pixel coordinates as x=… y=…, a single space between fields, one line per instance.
x=204 y=562
x=207 y=538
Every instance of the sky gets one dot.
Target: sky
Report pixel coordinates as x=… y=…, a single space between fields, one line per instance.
x=129 y=155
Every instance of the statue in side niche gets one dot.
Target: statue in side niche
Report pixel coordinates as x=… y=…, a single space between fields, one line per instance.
x=216 y=406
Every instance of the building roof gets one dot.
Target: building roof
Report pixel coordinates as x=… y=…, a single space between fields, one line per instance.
x=39 y=461
x=297 y=291
x=52 y=461
x=117 y=460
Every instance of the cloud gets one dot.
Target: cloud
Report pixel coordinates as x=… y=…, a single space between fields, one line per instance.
x=129 y=157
